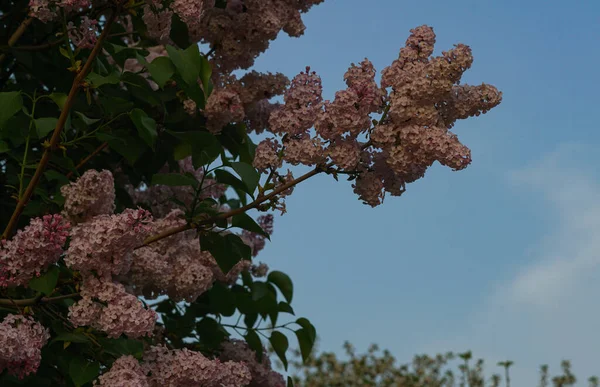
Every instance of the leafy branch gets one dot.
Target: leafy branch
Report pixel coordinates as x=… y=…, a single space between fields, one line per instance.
x=53 y=144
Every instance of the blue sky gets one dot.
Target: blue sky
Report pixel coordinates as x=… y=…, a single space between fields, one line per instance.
x=502 y=258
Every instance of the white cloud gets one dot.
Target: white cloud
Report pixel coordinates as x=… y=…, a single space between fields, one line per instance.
x=571 y=249
x=548 y=310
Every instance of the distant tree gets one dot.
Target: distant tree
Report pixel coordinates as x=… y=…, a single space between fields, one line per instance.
x=379 y=368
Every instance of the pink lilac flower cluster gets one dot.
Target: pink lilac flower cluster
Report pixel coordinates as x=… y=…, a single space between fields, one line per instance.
x=103 y=245
x=262 y=373
x=189 y=106
x=281 y=180
x=173 y=266
x=126 y=371
x=158 y=21
x=302 y=104
x=304 y=149
x=245 y=28
x=84 y=35
x=258 y=114
x=32 y=250
x=259 y=270
x=21 y=342
x=254 y=87
x=182 y=367
x=425 y=100
x=91 y=195
x=243 y=100
x=222 y=107
x=159 y=197
x=190 y=12
x=266 y=155
x=241 y=31
x=49 y=10
x=106 y=306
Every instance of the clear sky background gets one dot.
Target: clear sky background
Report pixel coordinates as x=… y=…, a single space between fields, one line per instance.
x=502 y=258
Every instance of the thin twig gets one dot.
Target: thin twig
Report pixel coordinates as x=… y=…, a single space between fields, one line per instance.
x=88 y=158
x=17 y=34
x=59 y=126
x=226 y=215
x=36 y=300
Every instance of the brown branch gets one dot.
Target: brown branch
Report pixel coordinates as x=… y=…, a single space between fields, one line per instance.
x=17 y=34
x=36 y=300
x=59 y=126
x=39 y=47
x=226 y=215
x=88 y=158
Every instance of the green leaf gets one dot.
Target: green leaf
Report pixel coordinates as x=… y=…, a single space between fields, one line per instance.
x=250 y=319
x=254 y=343
x=225 y=177
x=145 y=125
x=10 y=103
x=181 y=151
x=139 y=87
x=4 y=147
x=235 y=138
x=205 y=73
x=259 y=290
x=193 y=91
x=310 y=329
x=71 y=337
x=243 y=300
x=246 y=222
x=188 y=62
x=227 y=250
x=121 y=53
x=283 y=282
x=161 y=69
x=122 y=346
x=290 y=382
x=59 y=99
x=205 y=147
x=63 y=51
x=248 y=174
x=179 y=32
x=267 y=304
x=97 y=80
x=280 y=344
x=285 y=307
x=127 y=146
x=211 y=332
x=239 y=247
x=247 y=279
x=86 y=120
x=45 y=125
x=82 y=371
x=233 y=203
x=221 y=300
x=46 y=282
x=173 y=180
x=115 y=105
x=305 y=343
